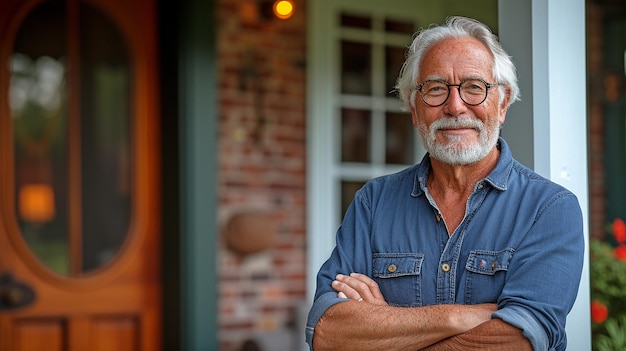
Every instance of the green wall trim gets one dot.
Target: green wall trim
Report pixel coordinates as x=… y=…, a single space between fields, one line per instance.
x=198 y=146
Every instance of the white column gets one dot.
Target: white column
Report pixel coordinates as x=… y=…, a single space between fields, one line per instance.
x=547 y=42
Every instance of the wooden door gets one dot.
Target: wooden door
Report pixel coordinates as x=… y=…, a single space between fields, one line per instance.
x=79 y=187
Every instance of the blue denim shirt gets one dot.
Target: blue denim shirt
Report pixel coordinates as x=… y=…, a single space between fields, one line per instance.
x=520 y=245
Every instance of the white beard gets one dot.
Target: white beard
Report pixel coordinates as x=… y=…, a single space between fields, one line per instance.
x=455 y=152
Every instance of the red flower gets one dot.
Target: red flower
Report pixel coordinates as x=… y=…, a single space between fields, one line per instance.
x=619 y=231
x=599 y=312
x=620 y=253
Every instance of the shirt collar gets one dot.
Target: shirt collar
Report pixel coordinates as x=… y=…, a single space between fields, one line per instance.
x=498 y=178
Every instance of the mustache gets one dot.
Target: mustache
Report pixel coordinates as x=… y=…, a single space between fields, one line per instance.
x=457 y=122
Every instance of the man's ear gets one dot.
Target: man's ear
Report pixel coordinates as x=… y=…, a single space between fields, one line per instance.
x=413 y=115
x=504 y=106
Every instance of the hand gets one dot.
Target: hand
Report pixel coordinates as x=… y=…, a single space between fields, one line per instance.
x=358 y=287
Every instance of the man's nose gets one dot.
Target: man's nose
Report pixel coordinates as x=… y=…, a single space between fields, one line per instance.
x=454 y=105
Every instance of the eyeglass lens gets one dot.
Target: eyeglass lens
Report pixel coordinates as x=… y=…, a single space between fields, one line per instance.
x=435 y=93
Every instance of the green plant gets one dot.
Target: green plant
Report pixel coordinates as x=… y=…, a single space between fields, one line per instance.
x=615 y=339
x=608 y=289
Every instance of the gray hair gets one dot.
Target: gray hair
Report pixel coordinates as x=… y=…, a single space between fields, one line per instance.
x=456 y=27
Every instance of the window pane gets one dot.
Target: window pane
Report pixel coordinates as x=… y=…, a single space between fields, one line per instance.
x=400 y=27
x=106 y=144
x=355 y=135
x=394 y=58
x=356 y=68
x=38 y=104
x=356 y=21
x=400 y=139
x=348 y=188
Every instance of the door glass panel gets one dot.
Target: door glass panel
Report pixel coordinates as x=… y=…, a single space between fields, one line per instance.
x=38 y=102
x=400 y=138
x=356 y=68
x=105 y=138
x=355 y=135
x=73 y=226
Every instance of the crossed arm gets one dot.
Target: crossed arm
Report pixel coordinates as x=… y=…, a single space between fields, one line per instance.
x=366 y=322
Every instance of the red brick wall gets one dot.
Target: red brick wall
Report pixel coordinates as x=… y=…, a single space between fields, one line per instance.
x=261 y=167
x=595 y=93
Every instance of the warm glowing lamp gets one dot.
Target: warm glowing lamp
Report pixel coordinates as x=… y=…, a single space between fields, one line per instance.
x=283 y=9
x=36 y=202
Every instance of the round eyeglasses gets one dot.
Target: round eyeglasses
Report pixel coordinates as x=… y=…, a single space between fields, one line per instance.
x=472 y=91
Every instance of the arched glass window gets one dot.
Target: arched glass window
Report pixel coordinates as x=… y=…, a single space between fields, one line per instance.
x=70 y=103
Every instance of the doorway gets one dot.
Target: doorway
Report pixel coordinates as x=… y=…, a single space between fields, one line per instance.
x=79 y=191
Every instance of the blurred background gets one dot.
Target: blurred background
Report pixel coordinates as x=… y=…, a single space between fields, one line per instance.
x=173 y=172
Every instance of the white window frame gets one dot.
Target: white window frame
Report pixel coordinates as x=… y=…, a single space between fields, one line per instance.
x=324 y=167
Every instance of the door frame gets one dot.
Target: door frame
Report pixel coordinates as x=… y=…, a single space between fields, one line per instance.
x=187 y=37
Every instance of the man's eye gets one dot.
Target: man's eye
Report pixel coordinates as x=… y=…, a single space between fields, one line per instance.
x=474 y=87
x=436 y=89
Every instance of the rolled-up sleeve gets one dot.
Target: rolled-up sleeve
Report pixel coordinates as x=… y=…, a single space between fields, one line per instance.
x=352 y=240
x=543 y=283
x=524 y=320
x=321 y=304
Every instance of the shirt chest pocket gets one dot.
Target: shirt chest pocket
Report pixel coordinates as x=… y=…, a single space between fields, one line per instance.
x=486 y=273
x=398 y=277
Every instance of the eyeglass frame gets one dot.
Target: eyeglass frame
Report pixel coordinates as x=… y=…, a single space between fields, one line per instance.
x=448 y=85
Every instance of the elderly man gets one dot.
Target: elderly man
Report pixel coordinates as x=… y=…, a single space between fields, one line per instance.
x=468 y=249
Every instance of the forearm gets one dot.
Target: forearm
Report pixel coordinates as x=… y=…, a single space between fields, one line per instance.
x=354 y=325
x=493 y=335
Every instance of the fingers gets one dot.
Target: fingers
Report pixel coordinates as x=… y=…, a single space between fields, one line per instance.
x=345 y=291
x=372 y=286
x=358 y=287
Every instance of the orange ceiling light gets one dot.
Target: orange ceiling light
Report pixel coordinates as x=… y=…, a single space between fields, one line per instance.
x=283 y=9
